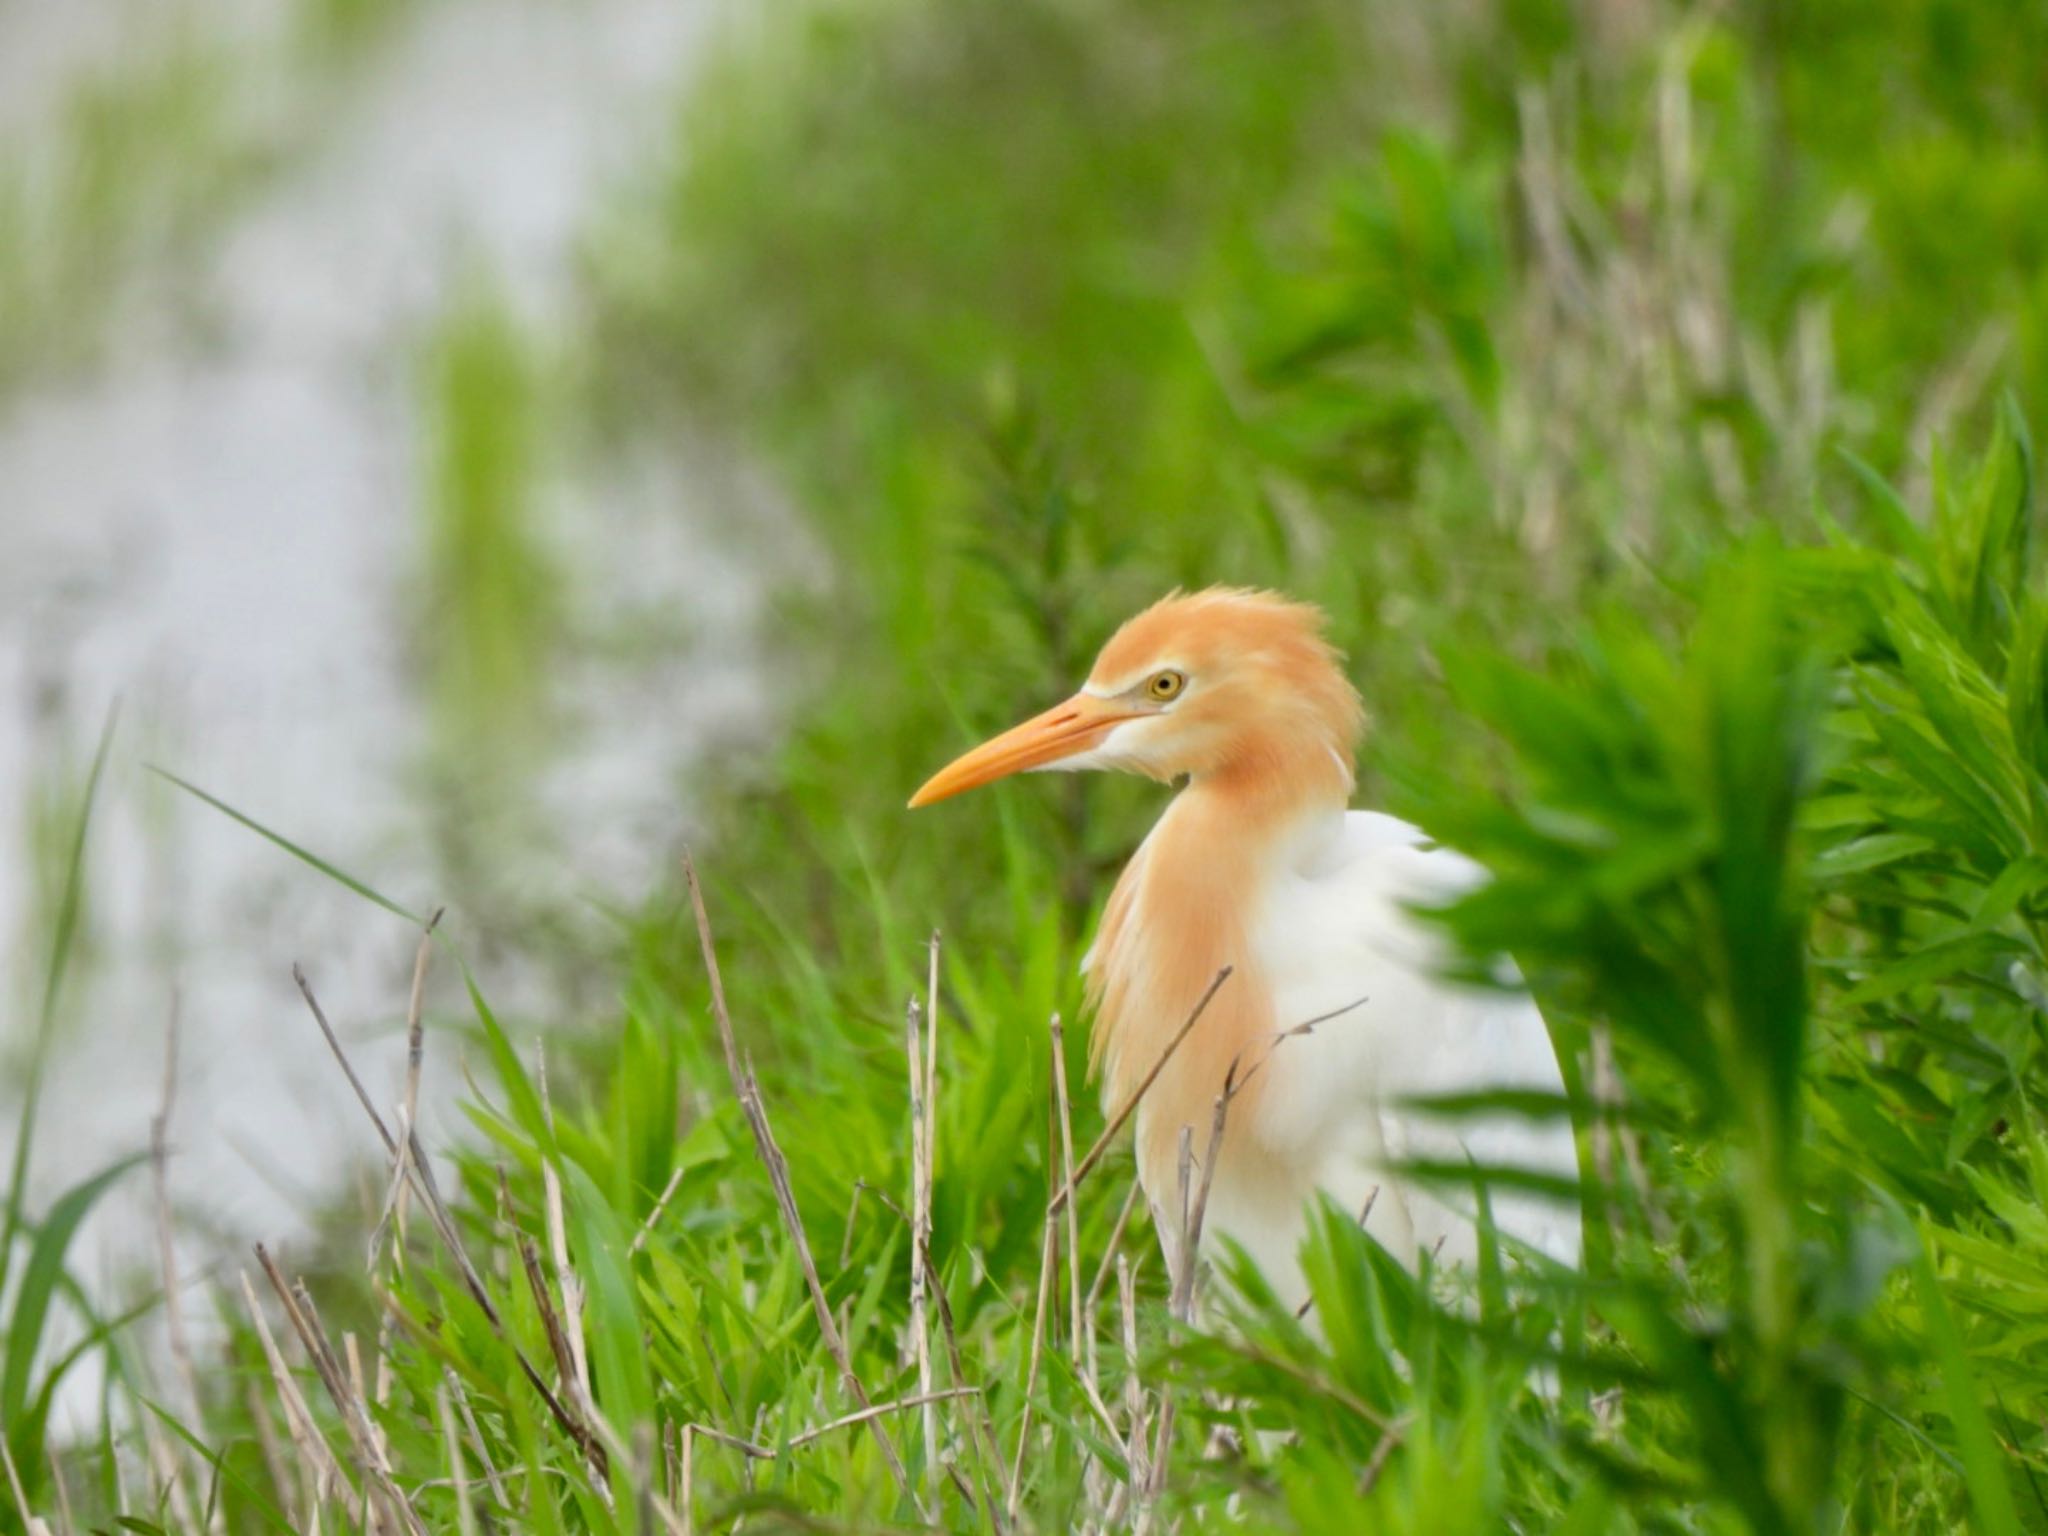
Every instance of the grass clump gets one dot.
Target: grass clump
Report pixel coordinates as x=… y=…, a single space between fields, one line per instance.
x=1586 y=366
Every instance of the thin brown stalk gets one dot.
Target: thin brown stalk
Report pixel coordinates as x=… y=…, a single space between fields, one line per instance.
x=415 y=1059
x=1364 y=1215
x=550 y=1319
x=1389 y=1438
x=1281 y=1037
x=1109 y=1253
x=1191 y=1247
x=748 y=1091
x=341 y=1056
x=1130 y=1105
x=476 y=1437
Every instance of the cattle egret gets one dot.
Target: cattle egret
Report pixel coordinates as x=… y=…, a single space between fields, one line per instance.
x=1258 y=865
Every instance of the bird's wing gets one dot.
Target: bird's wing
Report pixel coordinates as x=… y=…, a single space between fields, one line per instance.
x=1340 y=935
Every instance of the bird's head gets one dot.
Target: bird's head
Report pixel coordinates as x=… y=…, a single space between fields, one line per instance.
x=1225 y=683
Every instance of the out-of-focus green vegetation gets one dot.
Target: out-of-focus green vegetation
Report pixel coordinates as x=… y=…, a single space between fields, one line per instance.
x=142 y=157
x=1625 y=380
x=490 y=609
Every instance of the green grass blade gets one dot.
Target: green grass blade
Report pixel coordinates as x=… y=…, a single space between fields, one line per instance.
x=1983 y=1463
x=39 y=1282
x=218 y=1460
x=305 y=856
x=46 y=1021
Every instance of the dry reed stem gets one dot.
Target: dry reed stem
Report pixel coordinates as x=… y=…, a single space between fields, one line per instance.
x=577 y=1384
x=314 y=1451
x=1134 y=1386
x=931 y=1165
x=421 y=1173
x=67 y=1522
x=170 y=1474
x=29 y=1521
x=571 y=1284
x=753 y=1450
x=266 y=1441
x=1390 y=1437
x=920 y=1245
x=1191 y=1237
x=1109 y=1253
x=550 y=1319
x=1184 y=1183
x=476 y=1437
x=1048 y=1256
x=1183 y=1268
x=1182 y=1304
x=748 y=1091
x=646 y=1231
x=465 y=1514
x=369 y=1452
x=1048 y=1263
x=643 y=1477
x=983 y=1427
x=415 y=1057
x=1075 y=1343
x=355 y=1382
x=931 y=1052
x=1130 y=1105
x=878 y=1410
x=860 y=1187
x=689 y=1493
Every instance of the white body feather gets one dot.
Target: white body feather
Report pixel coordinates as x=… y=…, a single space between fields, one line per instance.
x=1333 y=931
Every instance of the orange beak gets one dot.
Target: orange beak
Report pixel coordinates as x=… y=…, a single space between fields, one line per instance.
x=1061 y=731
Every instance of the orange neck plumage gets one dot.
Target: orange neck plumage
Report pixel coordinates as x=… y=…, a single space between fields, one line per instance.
x=1183 y=909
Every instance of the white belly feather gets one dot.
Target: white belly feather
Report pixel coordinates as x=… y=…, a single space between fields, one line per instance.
x=1334 y=933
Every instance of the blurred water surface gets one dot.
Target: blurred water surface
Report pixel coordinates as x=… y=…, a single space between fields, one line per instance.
x=220 y=519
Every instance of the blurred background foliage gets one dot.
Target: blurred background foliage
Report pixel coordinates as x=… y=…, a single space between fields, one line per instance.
x=1644 y=390
x=1047 y=308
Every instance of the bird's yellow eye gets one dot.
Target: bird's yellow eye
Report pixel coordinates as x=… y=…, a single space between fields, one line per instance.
x=1166 y=685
